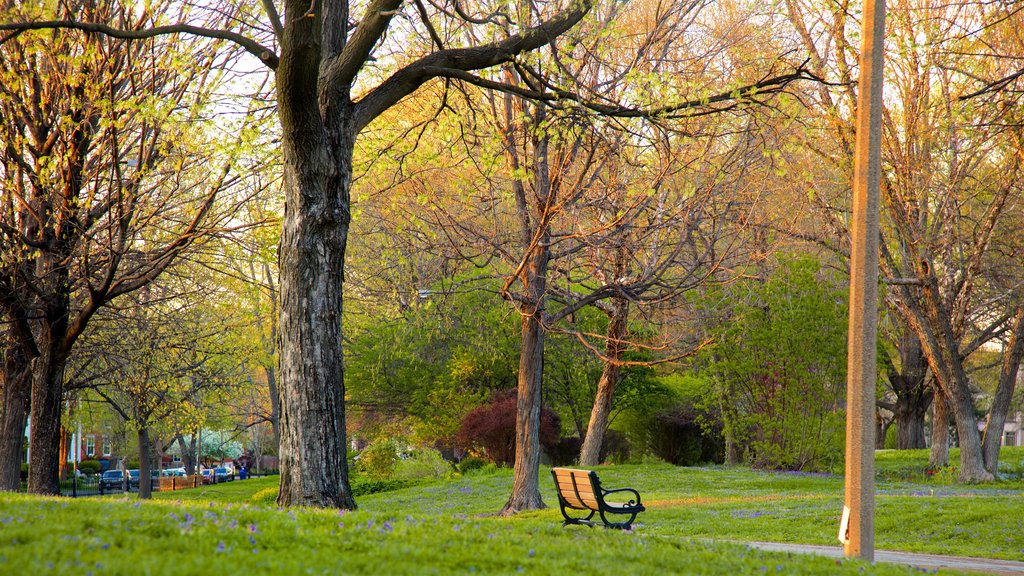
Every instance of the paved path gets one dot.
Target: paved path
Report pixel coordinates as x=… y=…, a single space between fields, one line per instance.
x=926 y=561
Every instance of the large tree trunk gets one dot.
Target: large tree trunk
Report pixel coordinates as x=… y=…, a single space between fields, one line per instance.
x=317 y=176
x=46 y=411
x=17 y=385
x=992 y=439
x=939 y=456
x=972 y=465
x=913 y=395
x=526 y=485
x=145 y=454
x=590 y=452
x=910 y=425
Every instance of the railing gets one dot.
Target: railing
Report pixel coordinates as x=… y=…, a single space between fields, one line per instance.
x=89 y=486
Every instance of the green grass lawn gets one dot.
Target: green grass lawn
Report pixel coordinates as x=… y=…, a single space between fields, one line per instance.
x=449 y=527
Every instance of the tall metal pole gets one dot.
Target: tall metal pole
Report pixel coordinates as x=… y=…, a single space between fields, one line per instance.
x=863 y=329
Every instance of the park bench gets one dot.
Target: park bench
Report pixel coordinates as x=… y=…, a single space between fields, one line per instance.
x=581 y=490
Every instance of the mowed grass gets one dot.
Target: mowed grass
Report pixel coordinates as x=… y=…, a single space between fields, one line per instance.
x=448 y=527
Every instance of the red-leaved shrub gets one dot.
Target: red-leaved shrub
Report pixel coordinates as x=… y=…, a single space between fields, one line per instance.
x=491 y=429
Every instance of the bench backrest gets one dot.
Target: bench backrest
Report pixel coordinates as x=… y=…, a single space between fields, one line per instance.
x=577 y=488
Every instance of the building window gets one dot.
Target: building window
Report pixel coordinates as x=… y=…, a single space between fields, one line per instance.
x=1010 y=439
x=108 y=447
x=90 y=446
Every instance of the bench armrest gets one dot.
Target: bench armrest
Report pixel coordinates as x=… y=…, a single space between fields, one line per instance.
x=631 y=501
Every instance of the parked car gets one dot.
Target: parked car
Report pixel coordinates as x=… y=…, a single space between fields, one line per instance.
x=223 y=475
x=112 y=480
x=207 y=475
x=133 y=479
x=174 y=472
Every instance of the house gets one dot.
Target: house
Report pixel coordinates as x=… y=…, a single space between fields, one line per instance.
x=91 y=445
x=1013 y=430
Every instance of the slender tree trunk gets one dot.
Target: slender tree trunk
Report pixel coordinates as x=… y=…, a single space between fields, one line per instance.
x=526 y=485
x=187 y=452
x=17 y=390
x=46 y=411
x=145 y=454
x=590 y=452
x=314 y=470
x=275 y=403
x=881 y=429
x=940 y=432
x=992 y=439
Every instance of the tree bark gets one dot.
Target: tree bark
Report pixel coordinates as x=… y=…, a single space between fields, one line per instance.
x=145 y=454
x=526 y=485
x=939 y=457
x=17 y=386
x=275 y=404
x=187 y=451
x=910 y=425
x=972 y=464
x=318 y=140
x=939 y=339
x=590 y=452
x=913 y=395
x=993 y=437
x=46 y=412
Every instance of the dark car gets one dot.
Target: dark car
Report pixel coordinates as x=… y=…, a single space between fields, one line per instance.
x=207 y=474
x=222 y=475
x=112 y=480
x=133 y=479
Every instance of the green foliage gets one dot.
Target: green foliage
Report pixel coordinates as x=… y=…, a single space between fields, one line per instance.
x=890 y=438
x=471 y=464
x=423 y=464
x=432 y=364
x=378 y=460
x=779 y=369
x=89 y=466
x=365 y=486
x=266 y=496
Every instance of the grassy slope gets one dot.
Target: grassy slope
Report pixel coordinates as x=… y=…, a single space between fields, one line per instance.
x=445 y=527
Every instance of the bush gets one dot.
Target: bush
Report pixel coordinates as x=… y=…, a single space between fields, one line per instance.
x=363 y=486
x=566 y=451
x=615 y=447
x=423 y=464
x=779 y=368
x=266 y=496
x=680 y=437
x=24 y=472
x=378 y=460
x=491 y=428
x=470 y=464
x=89 y=466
